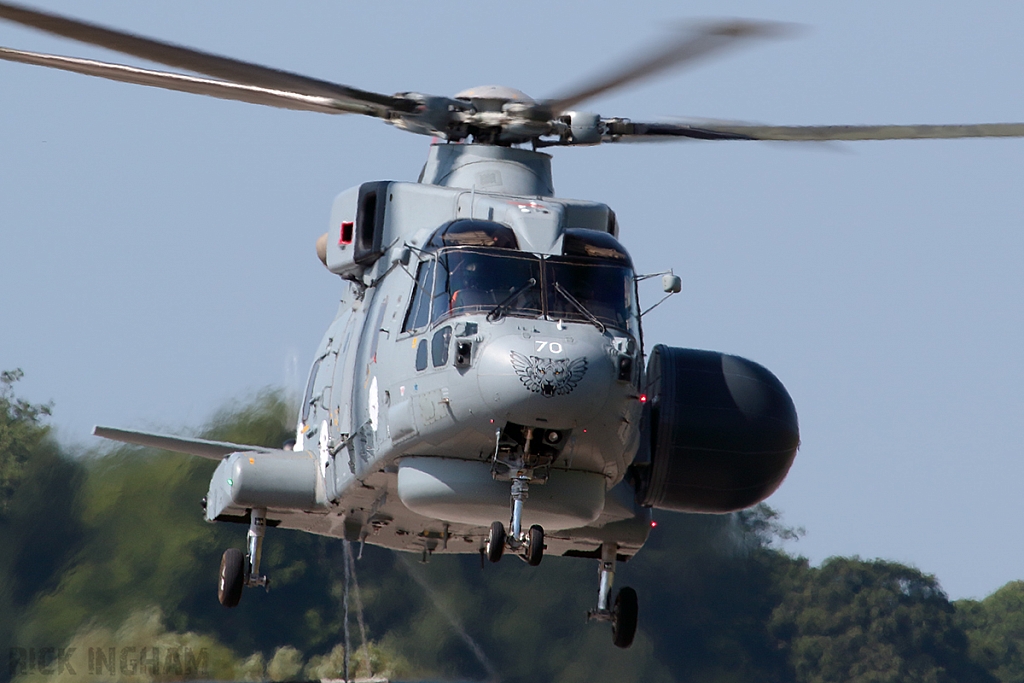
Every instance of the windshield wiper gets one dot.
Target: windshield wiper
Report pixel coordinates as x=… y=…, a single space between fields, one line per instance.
x=580 y=307
x=498 y=311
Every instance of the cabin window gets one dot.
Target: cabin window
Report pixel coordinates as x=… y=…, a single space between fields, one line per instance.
x=439 y=346
x=421 y=355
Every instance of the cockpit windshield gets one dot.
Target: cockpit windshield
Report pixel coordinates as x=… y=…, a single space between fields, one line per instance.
x=472 y=281
x=581 y=290
x=503 y=282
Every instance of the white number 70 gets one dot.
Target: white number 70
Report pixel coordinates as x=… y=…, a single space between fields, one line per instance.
x=553 y=347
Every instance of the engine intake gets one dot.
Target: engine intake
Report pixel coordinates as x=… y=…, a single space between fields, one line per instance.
x=722 y=432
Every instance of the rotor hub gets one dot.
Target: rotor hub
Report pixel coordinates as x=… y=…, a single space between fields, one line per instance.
x=494 y=97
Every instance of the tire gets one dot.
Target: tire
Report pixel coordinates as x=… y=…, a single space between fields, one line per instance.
x=535 y=549
x=624 y=618
x=495 y=542
x=232 y=577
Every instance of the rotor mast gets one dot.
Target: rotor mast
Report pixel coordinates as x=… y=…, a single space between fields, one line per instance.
x=489 y=168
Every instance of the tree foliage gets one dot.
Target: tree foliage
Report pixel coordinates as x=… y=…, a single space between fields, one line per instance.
x=21 y=432
x=995 y=627
x=39 y=521
x=128 y=561
x=881 y=621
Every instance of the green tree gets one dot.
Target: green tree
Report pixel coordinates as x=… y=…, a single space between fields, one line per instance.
x=144 y=543
x=21 y=433
x=995 y=629
x=872 y=621
x=39 y=523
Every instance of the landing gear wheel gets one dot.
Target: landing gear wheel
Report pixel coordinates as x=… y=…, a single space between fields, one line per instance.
x=232 y=577
x=624 y=617
x=495 y=542
x=535 y=546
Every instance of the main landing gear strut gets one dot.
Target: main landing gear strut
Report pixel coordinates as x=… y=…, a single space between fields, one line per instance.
x=237 y=572
x=530 y=543
x=623 y=612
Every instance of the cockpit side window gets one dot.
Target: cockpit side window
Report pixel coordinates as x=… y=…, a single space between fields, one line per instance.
x=307 y=399
x=440 y=299
x=419 y=307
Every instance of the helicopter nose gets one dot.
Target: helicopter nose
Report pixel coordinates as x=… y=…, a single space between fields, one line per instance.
x=546 y=381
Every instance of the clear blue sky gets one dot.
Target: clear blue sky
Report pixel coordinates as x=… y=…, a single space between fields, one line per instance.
x=157 y=248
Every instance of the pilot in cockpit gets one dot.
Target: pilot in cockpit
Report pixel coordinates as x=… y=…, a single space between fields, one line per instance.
x=472 y=287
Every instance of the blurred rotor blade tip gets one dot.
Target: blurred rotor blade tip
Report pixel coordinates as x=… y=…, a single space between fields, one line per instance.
x=743 y=28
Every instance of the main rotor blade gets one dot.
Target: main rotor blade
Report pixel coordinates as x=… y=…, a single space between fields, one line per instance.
x=179 y=82
x=701 y=41
x=621 y=130
x=233 y=70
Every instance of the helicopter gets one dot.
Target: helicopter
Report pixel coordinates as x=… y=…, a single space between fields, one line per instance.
x=488 y=352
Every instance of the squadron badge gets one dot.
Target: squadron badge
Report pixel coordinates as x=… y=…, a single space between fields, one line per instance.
x=549 y=376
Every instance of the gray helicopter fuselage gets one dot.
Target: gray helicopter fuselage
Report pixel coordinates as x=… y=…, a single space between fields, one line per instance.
x=424 y=402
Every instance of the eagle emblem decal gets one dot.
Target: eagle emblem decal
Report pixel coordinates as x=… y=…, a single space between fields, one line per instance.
x=549 y=376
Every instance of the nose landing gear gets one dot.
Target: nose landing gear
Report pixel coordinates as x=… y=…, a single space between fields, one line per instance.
x=495 y=546
x=624 y=612
x=535 y=545
x=522 y=454
x=531 y=542
x=237 y=572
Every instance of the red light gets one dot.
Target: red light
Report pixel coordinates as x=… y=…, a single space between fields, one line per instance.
x=643 y=398
x=653 y=524
x=584 y=431
x=346 y=233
